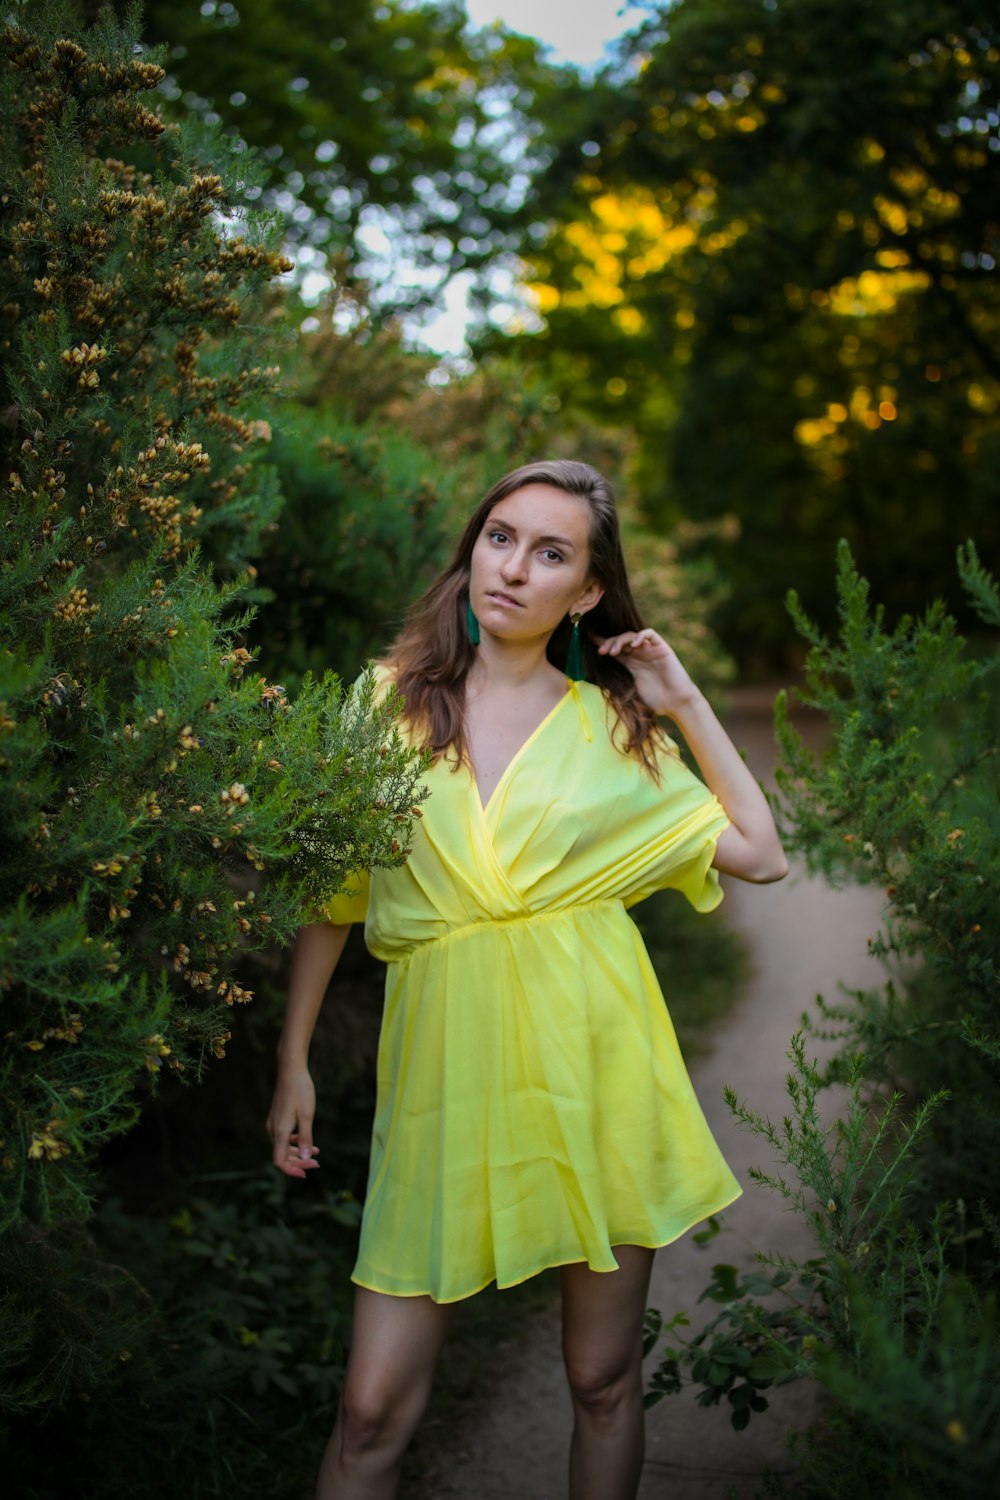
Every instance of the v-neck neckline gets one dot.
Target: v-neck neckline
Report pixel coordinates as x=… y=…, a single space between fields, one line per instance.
x=508 y=768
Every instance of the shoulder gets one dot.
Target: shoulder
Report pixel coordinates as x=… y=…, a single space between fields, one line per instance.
x=370 y=688
x=382 y=676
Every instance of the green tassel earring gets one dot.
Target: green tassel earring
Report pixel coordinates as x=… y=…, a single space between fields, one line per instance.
x=574 y=656
x=473 y=625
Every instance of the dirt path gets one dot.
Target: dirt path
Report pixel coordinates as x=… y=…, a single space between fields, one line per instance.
x=803 y=939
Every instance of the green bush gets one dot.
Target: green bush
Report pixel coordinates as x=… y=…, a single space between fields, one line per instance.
x=895 y=1314
x=229 y=1355
x=906 y=797
x=903 y=1345
x=166 y=811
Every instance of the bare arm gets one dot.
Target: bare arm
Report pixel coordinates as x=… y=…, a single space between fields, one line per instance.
x=750 y=847
x=315 y=956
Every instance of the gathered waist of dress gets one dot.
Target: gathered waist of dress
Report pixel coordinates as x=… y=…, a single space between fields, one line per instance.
x=491 y=924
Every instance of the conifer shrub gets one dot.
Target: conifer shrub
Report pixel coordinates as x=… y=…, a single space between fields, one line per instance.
x=895 y=1314
x=167 y=811
x=906 y=798
x=901 y=1343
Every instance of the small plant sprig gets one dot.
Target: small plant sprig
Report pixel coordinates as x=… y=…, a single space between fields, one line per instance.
x=849 y=1180
x=906 y=796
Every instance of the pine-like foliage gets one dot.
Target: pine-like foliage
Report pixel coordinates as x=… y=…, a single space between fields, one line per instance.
x=903 y=1345
x=906 y=797
x=164 y=809
x=895 y=1314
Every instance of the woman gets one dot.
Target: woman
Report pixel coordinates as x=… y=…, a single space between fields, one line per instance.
x=533 y=1109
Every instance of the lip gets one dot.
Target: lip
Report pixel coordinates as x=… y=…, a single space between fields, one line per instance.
x=504 y=599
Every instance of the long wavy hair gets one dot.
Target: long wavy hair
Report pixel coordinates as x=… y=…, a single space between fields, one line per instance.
x=432 y=654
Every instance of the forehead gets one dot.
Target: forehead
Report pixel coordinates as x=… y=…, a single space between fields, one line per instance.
x=546 y=510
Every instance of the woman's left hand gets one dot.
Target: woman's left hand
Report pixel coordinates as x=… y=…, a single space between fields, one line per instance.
x=664 y=685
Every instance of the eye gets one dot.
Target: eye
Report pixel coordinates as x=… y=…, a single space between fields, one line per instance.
x=497 y=536
x=551 y=554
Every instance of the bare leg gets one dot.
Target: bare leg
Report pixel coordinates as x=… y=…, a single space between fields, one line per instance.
x=602 y=1345
x=394 y=1349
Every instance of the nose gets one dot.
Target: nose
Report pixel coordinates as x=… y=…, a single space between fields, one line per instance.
x=514 y=567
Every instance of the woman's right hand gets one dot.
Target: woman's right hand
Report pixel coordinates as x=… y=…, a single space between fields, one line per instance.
x=290 y=1122
x=318 y=946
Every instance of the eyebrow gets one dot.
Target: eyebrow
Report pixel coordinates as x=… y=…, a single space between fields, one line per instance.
x=502 y=525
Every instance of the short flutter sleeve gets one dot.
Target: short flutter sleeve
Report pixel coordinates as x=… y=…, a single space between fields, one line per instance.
x=350 y=904
x=664 y=832
x=680 y=851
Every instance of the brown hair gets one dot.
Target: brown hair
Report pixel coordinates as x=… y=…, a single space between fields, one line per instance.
x=432 y=654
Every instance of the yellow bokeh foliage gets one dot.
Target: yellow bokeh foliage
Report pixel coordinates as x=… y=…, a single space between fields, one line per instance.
x=874 y=292
x=623 y=238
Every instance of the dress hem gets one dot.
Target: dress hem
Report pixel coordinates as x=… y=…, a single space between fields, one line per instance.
x=552 y=1265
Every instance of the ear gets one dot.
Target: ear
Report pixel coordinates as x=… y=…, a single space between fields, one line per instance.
x=591 y=596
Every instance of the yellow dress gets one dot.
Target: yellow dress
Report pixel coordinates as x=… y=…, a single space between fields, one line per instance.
x=533 y=1108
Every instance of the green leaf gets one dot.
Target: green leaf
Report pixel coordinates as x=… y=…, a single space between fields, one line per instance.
x=705 y=1236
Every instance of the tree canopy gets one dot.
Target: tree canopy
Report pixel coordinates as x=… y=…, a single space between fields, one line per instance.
x=773 y=247
x=370 y=112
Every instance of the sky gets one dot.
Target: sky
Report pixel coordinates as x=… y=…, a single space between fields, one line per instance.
x=576 y=30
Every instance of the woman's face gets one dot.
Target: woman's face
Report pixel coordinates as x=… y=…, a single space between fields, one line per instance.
x=531 y=563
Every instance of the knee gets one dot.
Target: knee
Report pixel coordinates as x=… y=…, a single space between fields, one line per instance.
x=600 y=1389
x=369 y=1422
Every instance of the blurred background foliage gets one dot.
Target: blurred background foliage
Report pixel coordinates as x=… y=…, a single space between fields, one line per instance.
x=771 y=248
x=760 y=244
x=756 y=256
x=367 y=114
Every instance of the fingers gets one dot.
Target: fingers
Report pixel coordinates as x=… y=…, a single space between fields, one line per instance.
x=290 y=1122
x=301 y=1156
x=293 y=1150
x=641 y=641
x=296 y=1156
